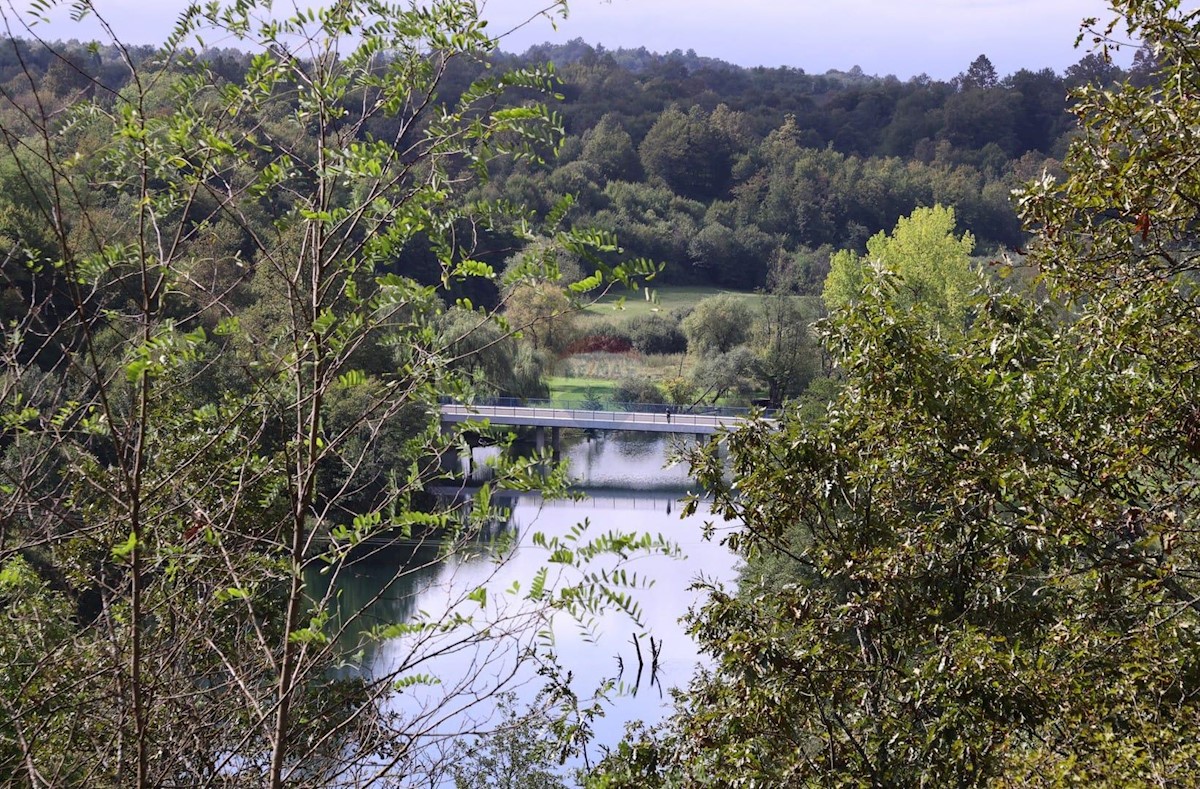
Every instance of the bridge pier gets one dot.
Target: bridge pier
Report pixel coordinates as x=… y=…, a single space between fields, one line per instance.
x=449 y=460
x=539 y=441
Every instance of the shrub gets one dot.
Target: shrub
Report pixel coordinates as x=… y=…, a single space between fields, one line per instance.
x=656 y=334
x=637 y=389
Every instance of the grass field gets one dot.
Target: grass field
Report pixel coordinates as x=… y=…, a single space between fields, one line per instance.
x=564 y=389
x=662 y=300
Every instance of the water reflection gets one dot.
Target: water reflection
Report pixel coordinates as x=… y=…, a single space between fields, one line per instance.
x=629 y=461
x=416 y=582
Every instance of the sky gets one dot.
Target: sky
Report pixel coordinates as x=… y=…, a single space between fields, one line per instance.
x=935 y=37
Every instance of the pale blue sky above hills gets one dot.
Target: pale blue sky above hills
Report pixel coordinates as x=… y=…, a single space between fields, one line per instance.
x=935 y=37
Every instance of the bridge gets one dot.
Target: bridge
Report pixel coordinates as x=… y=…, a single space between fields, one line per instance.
x=639 y=417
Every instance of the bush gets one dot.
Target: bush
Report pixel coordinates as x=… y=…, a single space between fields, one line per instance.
x=638 y=389
x=656 y=334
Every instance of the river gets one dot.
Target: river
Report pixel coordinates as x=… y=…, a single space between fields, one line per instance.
x=628 y=489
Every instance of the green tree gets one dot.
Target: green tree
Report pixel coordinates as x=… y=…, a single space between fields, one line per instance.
x=932 y=267
x=686 y=152
x=479 y=347
x=1095 y=69
x=174 y=477
x=718 y=323
x=785 y=349
x=637 y=389
x=981 y=554
x=609 y=146
x=717 y=374
x=544 y=315
x=981 y=74
x=518 y=755
x=656 y=333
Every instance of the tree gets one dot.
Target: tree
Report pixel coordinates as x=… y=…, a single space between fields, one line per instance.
x=980 y=75
x=718 y=324
x=732 y=257
x=974 y=119
x=1042 y=118
x=180 y=468
x=637 y=389
x=609 y=146
x=932 y=268
x=719 y=373
x=518 y=755
x=544 y=315
x=1095 y=69
x=489 y=355
x=786 y=355
x=979 y=560
x=686 y=152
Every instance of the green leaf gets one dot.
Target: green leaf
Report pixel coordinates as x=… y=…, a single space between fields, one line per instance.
x=123 y=550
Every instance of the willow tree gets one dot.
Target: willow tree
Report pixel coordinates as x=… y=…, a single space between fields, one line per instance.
x=220 y=376
x=979 y=567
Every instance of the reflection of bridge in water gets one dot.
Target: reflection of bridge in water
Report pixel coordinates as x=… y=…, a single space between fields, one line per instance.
x=592 y=499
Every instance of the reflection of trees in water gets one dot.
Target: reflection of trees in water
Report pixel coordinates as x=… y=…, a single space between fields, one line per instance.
x=626 y=459
x=379 y=584
x=640 y=445
x=412 y=581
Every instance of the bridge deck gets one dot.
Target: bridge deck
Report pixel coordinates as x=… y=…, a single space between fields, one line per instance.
x=526 y=416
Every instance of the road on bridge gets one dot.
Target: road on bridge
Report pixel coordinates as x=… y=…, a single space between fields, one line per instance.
x=528 y=416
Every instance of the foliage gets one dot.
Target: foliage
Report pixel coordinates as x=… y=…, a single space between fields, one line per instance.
x=220 y=379
x=717 y=374
x=656 y=333
x=688 y=153
x=480 y=348
x=806 y=159
x=519 y=754
x=977 y=566
x=543 y=313
x=601 y=338
x=610 y=148
x=980 y=74
x=785 y=350
x=932 y=268
x=717 y=324
x=637 y=390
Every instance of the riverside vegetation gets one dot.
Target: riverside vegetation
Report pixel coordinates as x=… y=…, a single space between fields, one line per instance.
x=235 y=283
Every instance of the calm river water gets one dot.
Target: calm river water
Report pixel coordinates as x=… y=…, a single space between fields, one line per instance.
x=629 y=490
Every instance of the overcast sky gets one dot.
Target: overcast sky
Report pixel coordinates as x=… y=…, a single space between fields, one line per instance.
x=936 y=37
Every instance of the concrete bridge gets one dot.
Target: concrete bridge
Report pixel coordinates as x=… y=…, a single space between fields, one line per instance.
x=645 y=418
x=642 y=421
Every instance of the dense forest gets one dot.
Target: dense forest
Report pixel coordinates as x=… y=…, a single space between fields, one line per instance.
x=712 y=169
x=236 y=284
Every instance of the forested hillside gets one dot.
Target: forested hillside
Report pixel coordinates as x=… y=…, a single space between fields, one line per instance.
x=712 y=169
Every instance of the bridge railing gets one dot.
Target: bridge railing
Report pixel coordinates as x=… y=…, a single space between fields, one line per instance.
x=577 y=406
x=570 y=417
